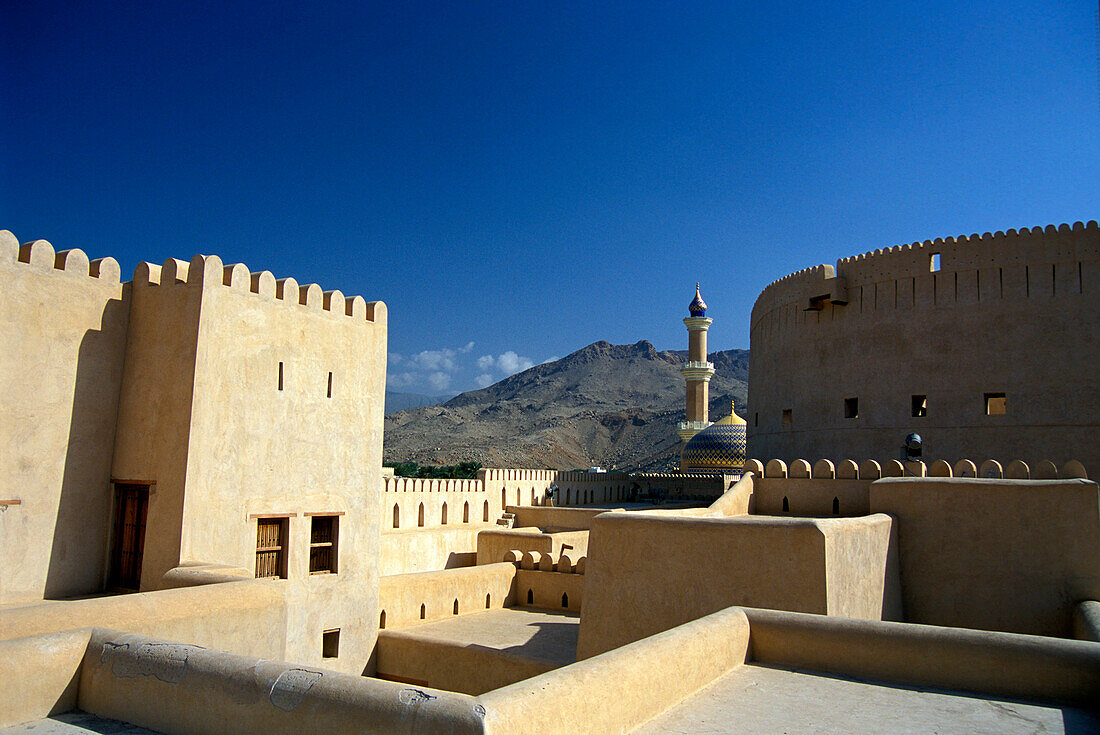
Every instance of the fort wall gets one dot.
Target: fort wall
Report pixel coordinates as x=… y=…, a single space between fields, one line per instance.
x=848 y=360
x=840 y=566
x=408 y=599
x=61 y=356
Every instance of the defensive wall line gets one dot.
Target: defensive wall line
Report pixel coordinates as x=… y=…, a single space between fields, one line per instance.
x=202 y=270
x=1050 y=261
x=870 y=469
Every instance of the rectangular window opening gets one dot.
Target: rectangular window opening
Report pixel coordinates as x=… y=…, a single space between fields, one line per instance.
x=788 y=417
x=756 y=419
x=280 y=376
x=323 y=539
x=934 y=263
x=851 y=408
x=271 y=538
x=919 y=405
x=995 y=404
x=330 y=643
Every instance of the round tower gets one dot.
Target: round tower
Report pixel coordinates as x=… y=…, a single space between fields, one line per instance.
x=697 y=371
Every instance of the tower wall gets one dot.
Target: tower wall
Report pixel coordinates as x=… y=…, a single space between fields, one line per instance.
x=1014 y=312
x=61 y=346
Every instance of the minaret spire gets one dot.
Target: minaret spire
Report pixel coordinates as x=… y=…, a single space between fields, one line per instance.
x=697 y=371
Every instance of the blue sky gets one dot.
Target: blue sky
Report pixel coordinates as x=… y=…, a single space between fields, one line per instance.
x=517 y=180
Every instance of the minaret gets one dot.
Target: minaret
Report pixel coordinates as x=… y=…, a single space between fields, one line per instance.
x=697 y=371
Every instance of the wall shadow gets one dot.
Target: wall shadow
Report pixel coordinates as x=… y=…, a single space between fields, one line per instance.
x=82 y=525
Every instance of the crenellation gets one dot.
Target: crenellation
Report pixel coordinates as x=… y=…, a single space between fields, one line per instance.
x=38 y=254
x=286 y=289
x=236 y=276
x=147 y=274
x=173 y=271
x=72 y=261
x=310 y=296
x=263 y=284
x=333 y=301
x=105 y=269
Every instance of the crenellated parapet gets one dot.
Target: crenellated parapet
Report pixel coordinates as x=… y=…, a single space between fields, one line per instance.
x=1037 y=247
x=208 y=271
x=41 y=256
x=871 y=469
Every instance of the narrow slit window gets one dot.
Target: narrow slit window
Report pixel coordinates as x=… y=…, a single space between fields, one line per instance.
x=786 y=505
x=280 y=376
x=488 y=599
x=530 y=597
x=330 y=643
x=329 y=385
x=323 y=544
x=455 y=611
x=918 y=406
x=382 y=621
x=788 y=416
x=995 y=404
x=836 y=506
x=564 y=599
x=851 y=408
x=423 y=611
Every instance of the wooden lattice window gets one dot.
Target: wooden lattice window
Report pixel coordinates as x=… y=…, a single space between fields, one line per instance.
x=271 y=536
x=323 y=534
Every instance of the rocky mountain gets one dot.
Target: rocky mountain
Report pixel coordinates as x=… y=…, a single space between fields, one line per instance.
x=615 y=406
x=397 y=401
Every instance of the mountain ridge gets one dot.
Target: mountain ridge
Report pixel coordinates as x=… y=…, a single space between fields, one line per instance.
x=608 y=405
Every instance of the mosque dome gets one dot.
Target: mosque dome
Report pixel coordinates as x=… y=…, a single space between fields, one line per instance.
x=718 y=448
x=698 y=307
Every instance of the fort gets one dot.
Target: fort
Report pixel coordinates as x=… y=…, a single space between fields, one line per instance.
x=197 y=534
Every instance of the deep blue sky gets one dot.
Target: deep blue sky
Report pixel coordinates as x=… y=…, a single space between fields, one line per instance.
x=532 y=177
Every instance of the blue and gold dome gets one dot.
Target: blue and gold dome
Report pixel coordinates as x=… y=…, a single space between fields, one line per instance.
x=698 y=307
x=718 y=448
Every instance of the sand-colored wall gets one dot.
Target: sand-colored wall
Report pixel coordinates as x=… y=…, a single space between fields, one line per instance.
x=626 y=687
x=249 y=618
x=951 y=335
x=429 y=549
x=40 y=675
x=549 y=590
x=455 y=667
x=244 y=397
x=61 y=352
x=1009 y=555
x=401 y=596
x=493 y=545
x=1001 y=664
x=174 y=688
x=810 y=496
x=648 y=573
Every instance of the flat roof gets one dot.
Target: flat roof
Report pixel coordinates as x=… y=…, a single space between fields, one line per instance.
x=542 y=635
x=756 y=699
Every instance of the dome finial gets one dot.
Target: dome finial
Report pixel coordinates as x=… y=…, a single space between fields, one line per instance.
x=698 y=307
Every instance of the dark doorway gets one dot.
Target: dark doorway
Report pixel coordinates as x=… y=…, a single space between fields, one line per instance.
x=131 y=506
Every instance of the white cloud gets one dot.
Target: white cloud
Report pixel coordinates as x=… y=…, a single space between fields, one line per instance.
x=395 y=357
x=436 y=360
x=510 y=363
x=555 y=358
x=439 y=381
x=486 y=362
x=484 y=380
x=468 y=348
x=400 y=380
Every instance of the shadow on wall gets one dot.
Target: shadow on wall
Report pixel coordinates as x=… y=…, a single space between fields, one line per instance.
x=83 y=519
x=461 y=559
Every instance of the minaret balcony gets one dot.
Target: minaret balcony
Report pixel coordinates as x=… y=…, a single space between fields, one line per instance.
x=693 y=370
x=688 y=429
x=698 y=322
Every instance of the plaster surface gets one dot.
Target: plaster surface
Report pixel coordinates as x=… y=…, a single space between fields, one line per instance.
x=536 y=634
x=757 y=699
x=76 y=723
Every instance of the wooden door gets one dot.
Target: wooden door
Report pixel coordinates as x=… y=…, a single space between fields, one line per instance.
x=129 y=539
